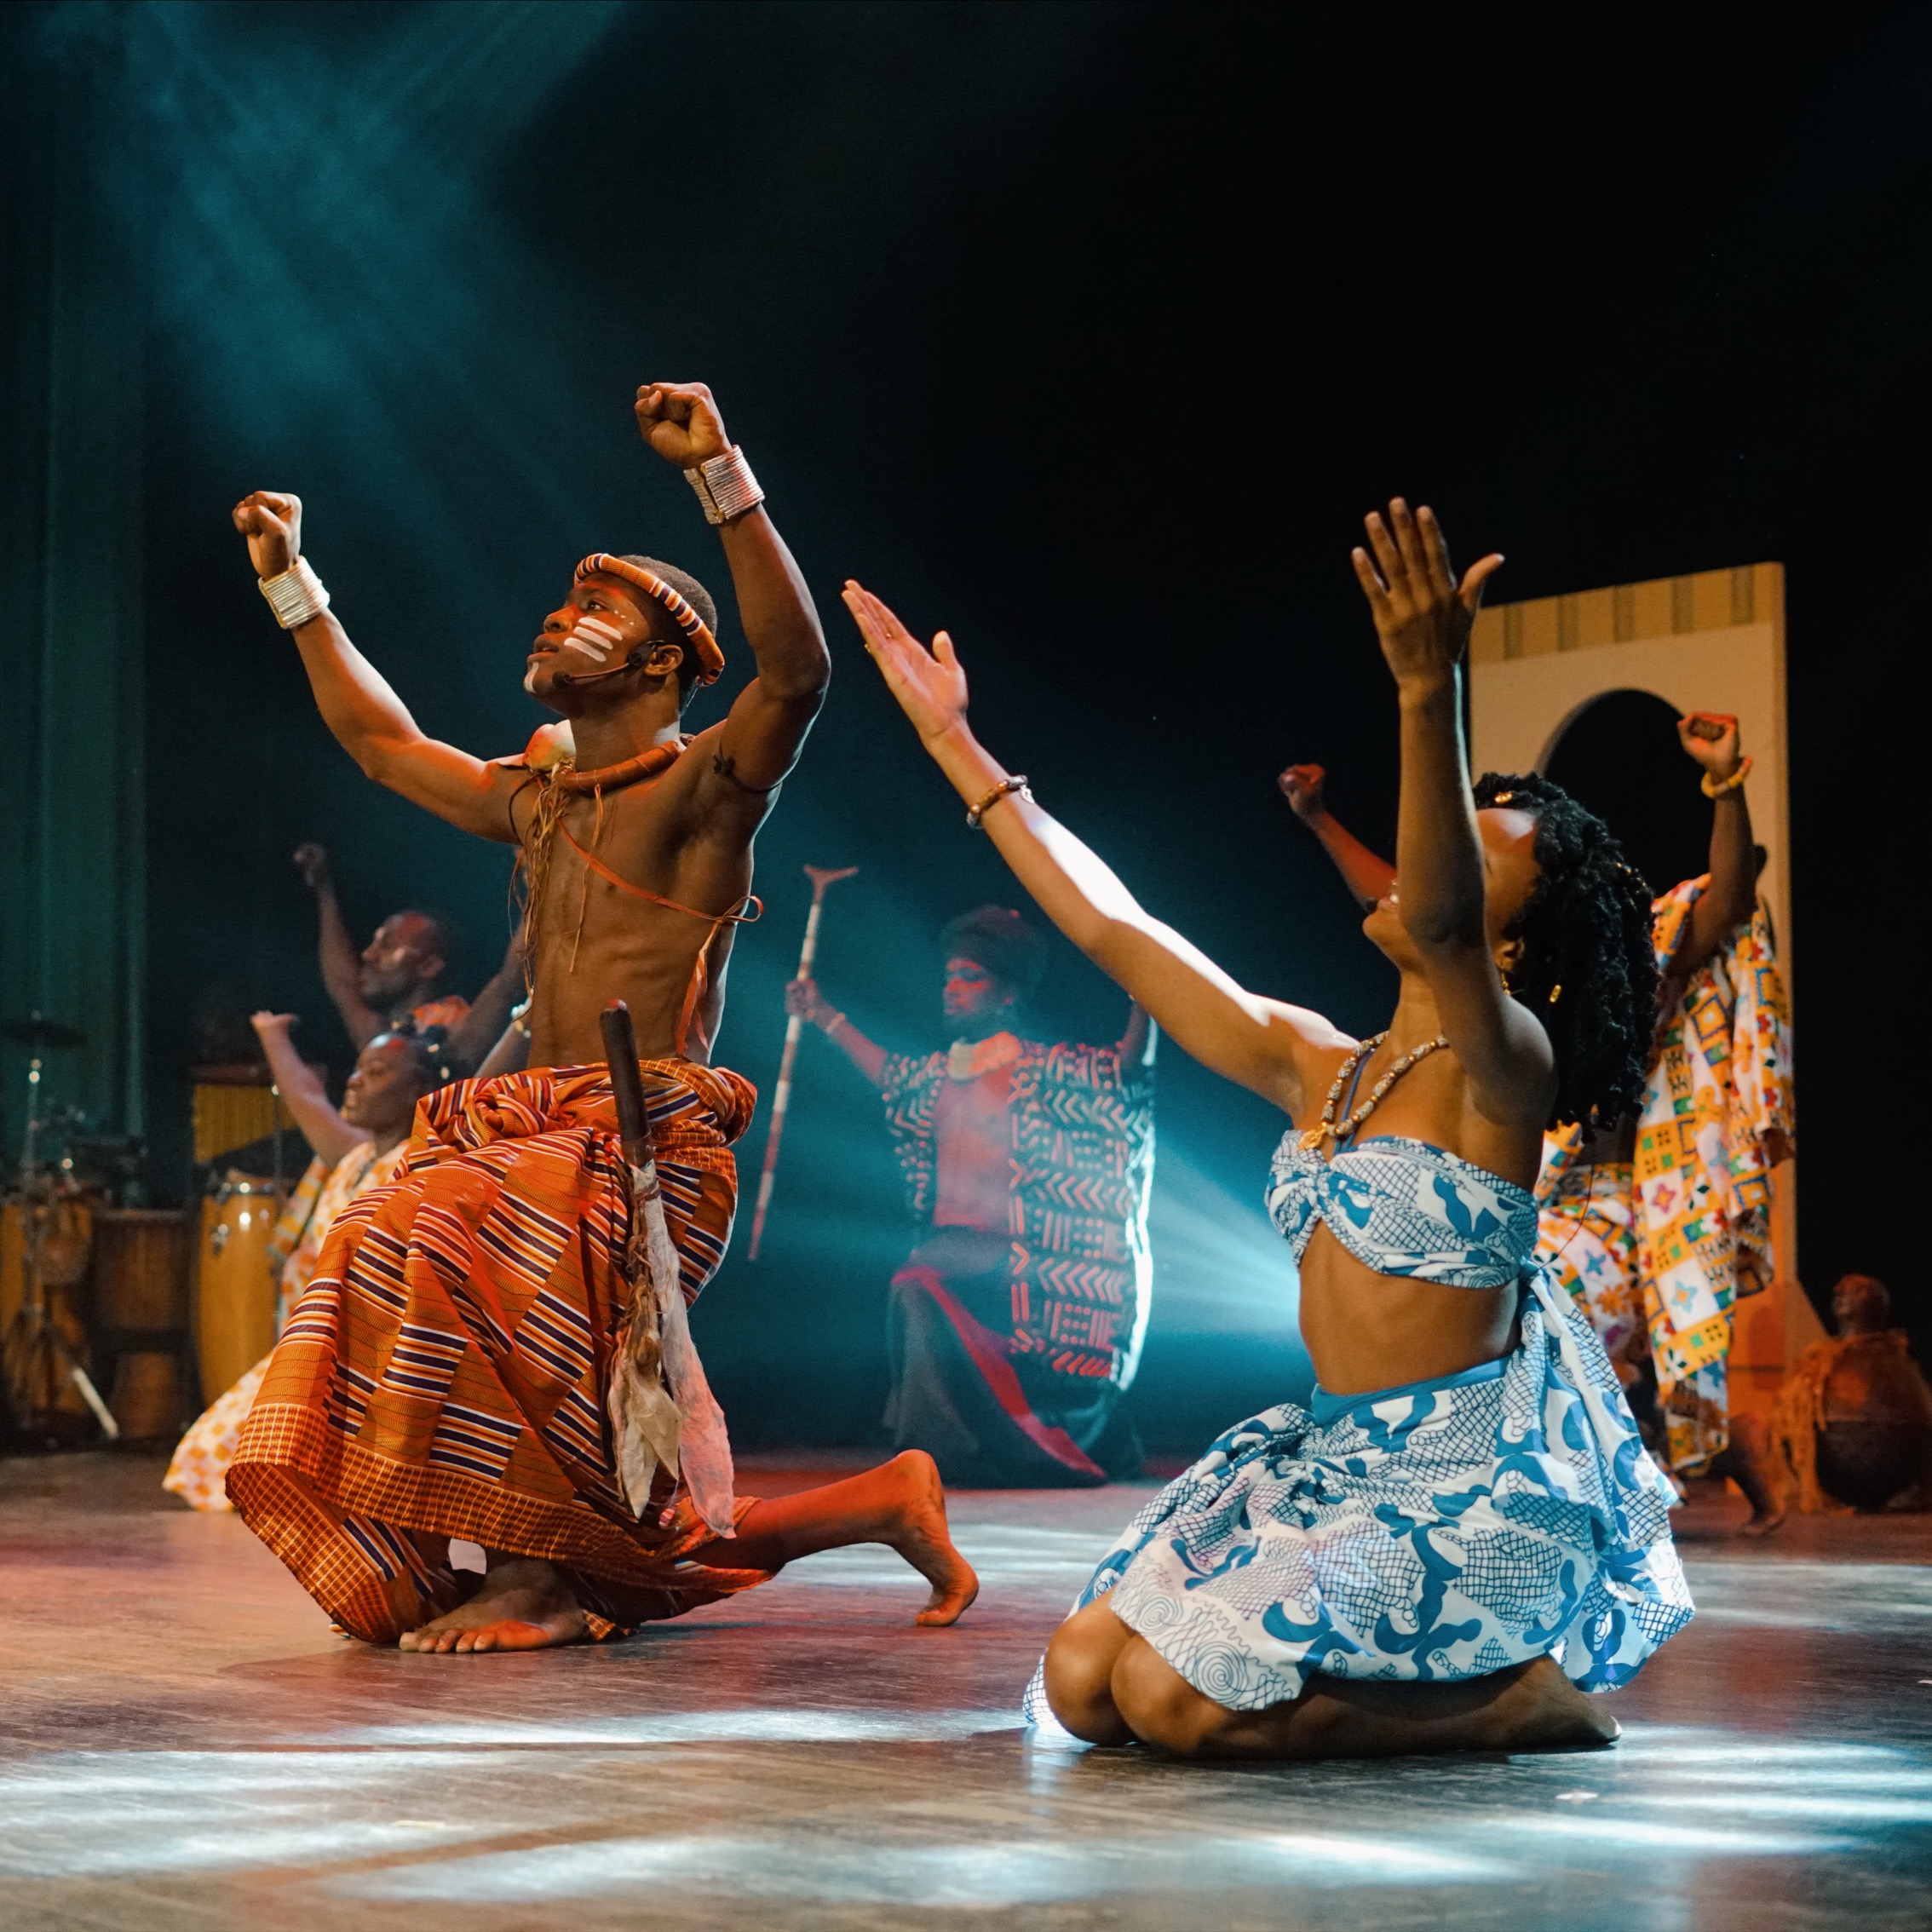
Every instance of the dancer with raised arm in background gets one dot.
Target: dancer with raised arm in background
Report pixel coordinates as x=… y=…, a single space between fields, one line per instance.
x=449 y=1372
x=1466 y=1534
x=356 y=1149
x=397 y=980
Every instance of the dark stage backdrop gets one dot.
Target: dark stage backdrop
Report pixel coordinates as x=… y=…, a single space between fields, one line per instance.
x=1088 y=332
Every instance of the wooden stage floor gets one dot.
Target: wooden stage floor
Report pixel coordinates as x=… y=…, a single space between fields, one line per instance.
x=184 y=1745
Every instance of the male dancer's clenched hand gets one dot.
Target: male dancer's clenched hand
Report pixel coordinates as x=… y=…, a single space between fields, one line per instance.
x=271 y=519
x=681 y=422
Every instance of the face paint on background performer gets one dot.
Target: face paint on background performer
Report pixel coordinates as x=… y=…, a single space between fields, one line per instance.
x=1014 y=1325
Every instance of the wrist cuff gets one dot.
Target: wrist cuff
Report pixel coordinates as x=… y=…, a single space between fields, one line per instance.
x=725 y=487
x=296 y=596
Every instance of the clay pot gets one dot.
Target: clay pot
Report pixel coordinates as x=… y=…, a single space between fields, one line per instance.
x=1876 y=1436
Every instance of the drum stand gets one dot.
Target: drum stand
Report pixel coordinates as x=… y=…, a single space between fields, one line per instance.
x=33 y=1350
x=37 y=1357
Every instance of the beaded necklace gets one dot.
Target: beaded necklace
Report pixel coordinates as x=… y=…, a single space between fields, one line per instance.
x=1325 y=1128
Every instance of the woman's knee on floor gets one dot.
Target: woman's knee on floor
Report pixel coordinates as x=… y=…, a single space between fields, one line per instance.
x=1160 y=1706
x=1079 y=1672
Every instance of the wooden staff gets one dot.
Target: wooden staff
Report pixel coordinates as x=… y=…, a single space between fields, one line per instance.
x=781 y=1098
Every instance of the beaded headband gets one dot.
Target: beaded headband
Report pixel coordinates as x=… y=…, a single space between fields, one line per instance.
x=710 y=659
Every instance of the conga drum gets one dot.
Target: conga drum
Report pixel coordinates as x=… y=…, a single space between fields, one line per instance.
x=234 y=1284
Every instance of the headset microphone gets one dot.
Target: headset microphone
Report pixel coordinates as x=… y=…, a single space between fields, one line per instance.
x=634 y=662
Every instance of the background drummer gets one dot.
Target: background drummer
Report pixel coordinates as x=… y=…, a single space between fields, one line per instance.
x=395 y=983
x=357 y=1148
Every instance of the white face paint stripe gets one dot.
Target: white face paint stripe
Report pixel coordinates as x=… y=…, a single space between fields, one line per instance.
x=595 y=639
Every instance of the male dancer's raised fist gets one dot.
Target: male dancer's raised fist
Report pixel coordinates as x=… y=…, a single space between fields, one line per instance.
x=271 y=519
x=681 y=422
x=1302 y=786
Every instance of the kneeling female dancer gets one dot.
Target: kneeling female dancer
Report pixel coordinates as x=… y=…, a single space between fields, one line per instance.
x=1466 y=1534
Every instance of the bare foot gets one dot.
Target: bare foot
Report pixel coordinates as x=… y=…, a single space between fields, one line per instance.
x=1543 y=1710
x=920 y=1535
x=523 y=1603
x=1746 y=1461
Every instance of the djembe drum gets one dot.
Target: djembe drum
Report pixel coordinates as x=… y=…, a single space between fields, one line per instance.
x=141 y=1314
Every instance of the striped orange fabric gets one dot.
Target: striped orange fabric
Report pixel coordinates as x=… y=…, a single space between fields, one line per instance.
x=444 y=1375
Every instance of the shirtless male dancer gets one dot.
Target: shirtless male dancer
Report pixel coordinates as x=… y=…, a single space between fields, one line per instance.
x=447 y=1373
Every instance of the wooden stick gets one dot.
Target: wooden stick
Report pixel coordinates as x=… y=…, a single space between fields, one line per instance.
x=781 y=1097
x=627 y=1084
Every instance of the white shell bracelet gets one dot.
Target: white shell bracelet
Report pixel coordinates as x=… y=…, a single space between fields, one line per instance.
x=725 y=485
x=296 y=596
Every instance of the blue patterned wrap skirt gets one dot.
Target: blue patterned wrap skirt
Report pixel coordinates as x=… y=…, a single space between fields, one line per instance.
x=1422 y=1534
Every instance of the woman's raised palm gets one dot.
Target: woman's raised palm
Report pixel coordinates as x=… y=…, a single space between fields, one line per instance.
x=931 y=686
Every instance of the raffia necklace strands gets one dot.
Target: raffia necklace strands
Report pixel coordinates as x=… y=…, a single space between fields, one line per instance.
x=970 y=1060
x=1325 y=1128
x=560 y=783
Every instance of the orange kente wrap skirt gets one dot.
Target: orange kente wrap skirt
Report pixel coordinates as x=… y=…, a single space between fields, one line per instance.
x=444 y=1373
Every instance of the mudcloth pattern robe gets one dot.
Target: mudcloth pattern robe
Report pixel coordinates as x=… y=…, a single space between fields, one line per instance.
x=1034 y=1344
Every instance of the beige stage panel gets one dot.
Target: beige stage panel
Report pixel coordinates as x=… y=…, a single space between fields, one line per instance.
x=1711 y=641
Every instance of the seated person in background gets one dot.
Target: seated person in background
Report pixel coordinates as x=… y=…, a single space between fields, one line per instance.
x=1660 y=1224
x=395 y=982
x=1856 y=1403
x=357 y=1150
x=1015 y=1324
x=1466 y=1533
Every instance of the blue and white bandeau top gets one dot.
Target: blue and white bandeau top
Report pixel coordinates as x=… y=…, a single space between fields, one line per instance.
x=1403 y=1207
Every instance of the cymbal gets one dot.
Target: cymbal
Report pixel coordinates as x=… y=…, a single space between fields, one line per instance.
x=36 y=1030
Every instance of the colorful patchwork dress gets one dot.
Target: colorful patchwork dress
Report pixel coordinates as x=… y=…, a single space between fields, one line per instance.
x=1658 y=1253
x=1439 y=1531
x=1717 y=1118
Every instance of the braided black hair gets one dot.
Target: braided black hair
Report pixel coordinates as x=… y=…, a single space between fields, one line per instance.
x=1588 y=971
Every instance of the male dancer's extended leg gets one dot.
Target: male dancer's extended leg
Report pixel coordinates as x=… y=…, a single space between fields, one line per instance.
x=525 y=1603
x=900 y=1504
x=1109 y=1685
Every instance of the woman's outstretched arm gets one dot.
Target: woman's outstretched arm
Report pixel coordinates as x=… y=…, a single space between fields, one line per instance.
x=1260 y=1044
x=1423 y=617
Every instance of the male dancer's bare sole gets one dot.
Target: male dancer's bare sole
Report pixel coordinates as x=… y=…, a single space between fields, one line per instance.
x=524 y=1603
